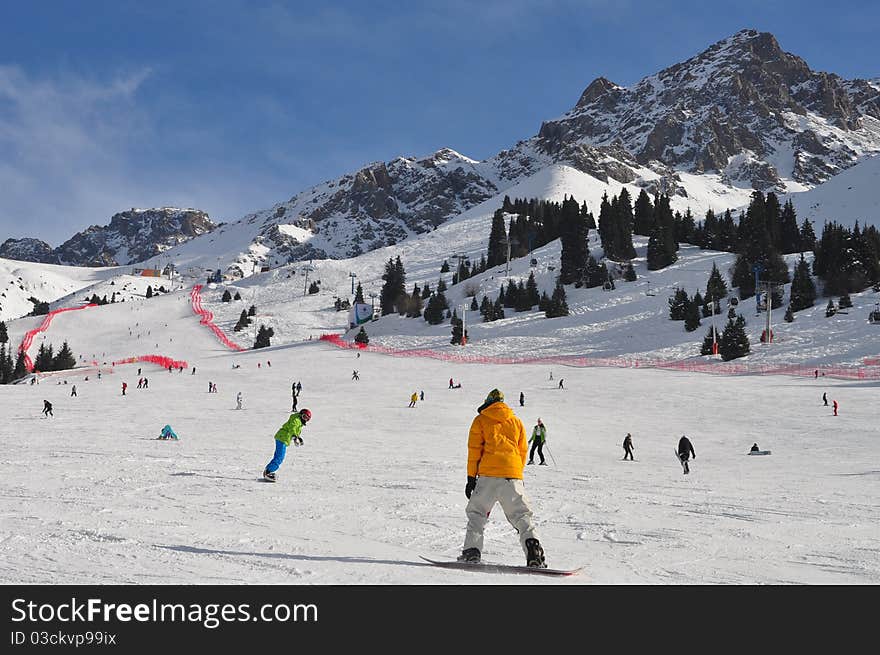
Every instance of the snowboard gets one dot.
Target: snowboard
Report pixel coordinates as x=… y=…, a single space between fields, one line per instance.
x=487 y=567
x=759 y=452
x=680 y=461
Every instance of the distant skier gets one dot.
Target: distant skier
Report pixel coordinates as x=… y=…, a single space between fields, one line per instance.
x=422 y=395
x=561 y=380
x=816 y=374
x=355 y=376
x=834 y=406
x=628 y=447
x=450 y=383
x=754 y=448
x=73 y=390
x=299 y=388
x=288 y=432
x=522 y=399
x=47 y=409
x=413 y=398
x=825 y=399
x=293 y=398
x=210 y=386
x=685 y=452
x=124 y=387
x=146 y=383
x=551 y=375
x=193 y=371
x=238 y=400
x=539 y=436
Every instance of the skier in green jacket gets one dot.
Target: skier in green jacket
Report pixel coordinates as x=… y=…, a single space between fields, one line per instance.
x=288 y=432
x=539 y=436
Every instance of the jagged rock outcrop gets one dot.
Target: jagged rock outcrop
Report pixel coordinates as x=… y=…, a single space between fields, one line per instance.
x=743 y=108
x=27 y=250
x=133 y=236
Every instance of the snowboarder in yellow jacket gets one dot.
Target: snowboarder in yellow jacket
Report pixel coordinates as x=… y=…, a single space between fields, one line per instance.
x=288 y=432
x=497 y=450
x=413 y=398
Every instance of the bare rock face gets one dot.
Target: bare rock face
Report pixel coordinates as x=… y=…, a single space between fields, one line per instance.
x=133 y=236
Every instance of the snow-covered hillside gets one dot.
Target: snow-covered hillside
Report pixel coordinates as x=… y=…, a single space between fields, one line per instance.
x=89 y=496
x=846 y=198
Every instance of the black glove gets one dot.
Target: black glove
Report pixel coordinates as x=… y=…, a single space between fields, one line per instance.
x=297 y=441
x=469 y=487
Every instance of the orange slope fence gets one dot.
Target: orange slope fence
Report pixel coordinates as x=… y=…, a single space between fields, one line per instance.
x=717 y=367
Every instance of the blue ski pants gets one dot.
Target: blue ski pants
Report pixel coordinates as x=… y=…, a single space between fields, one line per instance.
x=280 y=452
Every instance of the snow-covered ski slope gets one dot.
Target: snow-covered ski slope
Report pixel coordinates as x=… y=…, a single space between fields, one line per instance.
x=90 y=496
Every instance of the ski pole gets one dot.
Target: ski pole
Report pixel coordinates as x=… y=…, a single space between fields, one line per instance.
x=551 y=454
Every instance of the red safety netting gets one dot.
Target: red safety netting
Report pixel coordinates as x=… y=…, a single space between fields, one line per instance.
x=207 y=318
x=691 y=365
x=28 y=339
x=161 y=360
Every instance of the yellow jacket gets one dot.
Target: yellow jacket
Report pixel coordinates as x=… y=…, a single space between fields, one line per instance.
x=497 y=445
x=414 y=397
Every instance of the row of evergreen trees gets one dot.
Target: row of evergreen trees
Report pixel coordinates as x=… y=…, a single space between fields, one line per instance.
x=48 y=360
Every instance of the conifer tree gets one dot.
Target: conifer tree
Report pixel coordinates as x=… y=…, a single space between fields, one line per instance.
x=830 y=310
x=264 y=336
x=359 y=294
x=252 y=311
x=643 y=215
x=498 y=310
x=692 y=313
x=43 y=360
x=678 y=304
x=474 y=306
x=789 y=315
x=64 y=359
x=444 y=268
x=532 y=294
x=629 y=273
x=844 y=302
x=573 y=241
x=20 y=369
x=362 y=336
x=457 y=329
x=558 y=305
x=807 y=236
x=150 y=292
x=803 y=291
x=734 y=340
x=486 y=309
x=435 y=309
x=497 y=248
x=393 y=294
x=243 y=321
x=6 y=365
x=716 y=287
x=237 y=296
x=789 y=233
x=4 y=335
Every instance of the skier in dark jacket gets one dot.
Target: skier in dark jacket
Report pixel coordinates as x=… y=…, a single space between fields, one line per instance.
x=685 y=452
x=522 y=399
x=47 y=408
x=628 y=446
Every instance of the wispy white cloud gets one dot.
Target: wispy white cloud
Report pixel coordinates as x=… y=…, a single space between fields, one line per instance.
x=74 y=151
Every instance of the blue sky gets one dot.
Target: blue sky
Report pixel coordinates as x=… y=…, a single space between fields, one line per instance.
x=231 y=106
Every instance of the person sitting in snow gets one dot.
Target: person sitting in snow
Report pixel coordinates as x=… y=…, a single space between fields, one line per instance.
x=167 y=433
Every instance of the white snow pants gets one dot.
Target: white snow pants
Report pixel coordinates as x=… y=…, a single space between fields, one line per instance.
x=511 y=494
